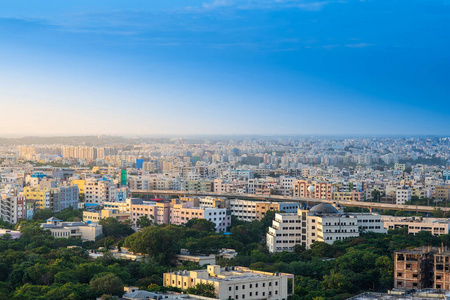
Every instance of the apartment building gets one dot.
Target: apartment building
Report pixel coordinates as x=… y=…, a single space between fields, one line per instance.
x=247 y=210
x=230 y=185
x=442 y=193
x=99 y=191
x=13 y=207
x=322 y=223
x=213 y=202
x=68 y=196
x=402 y=195
x=322 y=190
x=349 y=196
x=235 y=282
x=197 y=186
x=435 y=226
x=181 y=213
x=158 y=212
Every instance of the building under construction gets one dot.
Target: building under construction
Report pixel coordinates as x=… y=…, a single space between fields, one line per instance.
x=422 y=268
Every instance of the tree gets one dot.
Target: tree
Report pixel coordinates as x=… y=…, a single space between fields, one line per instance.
x=144 y=221
x=337 y=281
x=376 y=194
x=112 y=227
x=43 y=214
x=70 y=214
x=203 y=289
x=107 y=284
x=201 y=225
x=161 y=242
x=299 y=248
x=322 y=249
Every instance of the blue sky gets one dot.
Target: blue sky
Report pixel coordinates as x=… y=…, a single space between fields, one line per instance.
x=224 y=67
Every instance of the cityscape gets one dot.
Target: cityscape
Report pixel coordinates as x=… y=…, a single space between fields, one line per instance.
x=224 y=150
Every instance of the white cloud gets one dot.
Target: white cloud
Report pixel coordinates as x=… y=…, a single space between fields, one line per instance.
x=217 y=3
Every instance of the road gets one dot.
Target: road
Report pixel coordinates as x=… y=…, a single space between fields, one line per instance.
x=363 y=204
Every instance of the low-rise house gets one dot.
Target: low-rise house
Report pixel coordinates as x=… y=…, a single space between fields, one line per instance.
x=81 y=230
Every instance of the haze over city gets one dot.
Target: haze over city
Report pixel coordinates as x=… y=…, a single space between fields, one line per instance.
x=224 y=67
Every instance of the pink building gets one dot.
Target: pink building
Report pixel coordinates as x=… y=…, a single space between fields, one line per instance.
x=158 y=212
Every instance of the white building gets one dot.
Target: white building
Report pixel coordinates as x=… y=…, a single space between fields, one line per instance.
x=99 y=191
x=402 y=195
x=235 y=282
x=435 y=226
x=322 y=223
x=81 y=230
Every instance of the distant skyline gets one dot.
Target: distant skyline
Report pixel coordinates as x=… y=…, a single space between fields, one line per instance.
x=224 y=67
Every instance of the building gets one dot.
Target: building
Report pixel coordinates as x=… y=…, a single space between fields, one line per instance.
x=413 y=269
x=313 y=189
x=14 y=234
x=422 y=268
x=43 y=198
x=99 y=191
x=435 y=226
x=402 y=195
x=181 y=213
x=322 y=223
x=81 y=230
x=201 y=260
x=442 y=193
x=349 y=196
x=248 y=210
x=95 y=216
x=54 y=198
x=68 y=196
x=158 y=212
x=235 y=282
x=396 y=294
x=13 y=208
x=400 y=167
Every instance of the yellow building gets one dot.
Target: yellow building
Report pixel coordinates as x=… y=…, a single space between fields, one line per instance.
x=105 y=213
x=80 y=183
x=442 y=192
x=42 y=198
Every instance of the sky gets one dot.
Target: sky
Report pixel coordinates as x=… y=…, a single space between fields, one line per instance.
x=179 y=67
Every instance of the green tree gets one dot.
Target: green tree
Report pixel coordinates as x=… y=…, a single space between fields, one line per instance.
x=107 y=284
x=144 y=221
x=112 y=227
x=201 y=225
x=161 y=242
x=203 y=289
x=43 y=214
